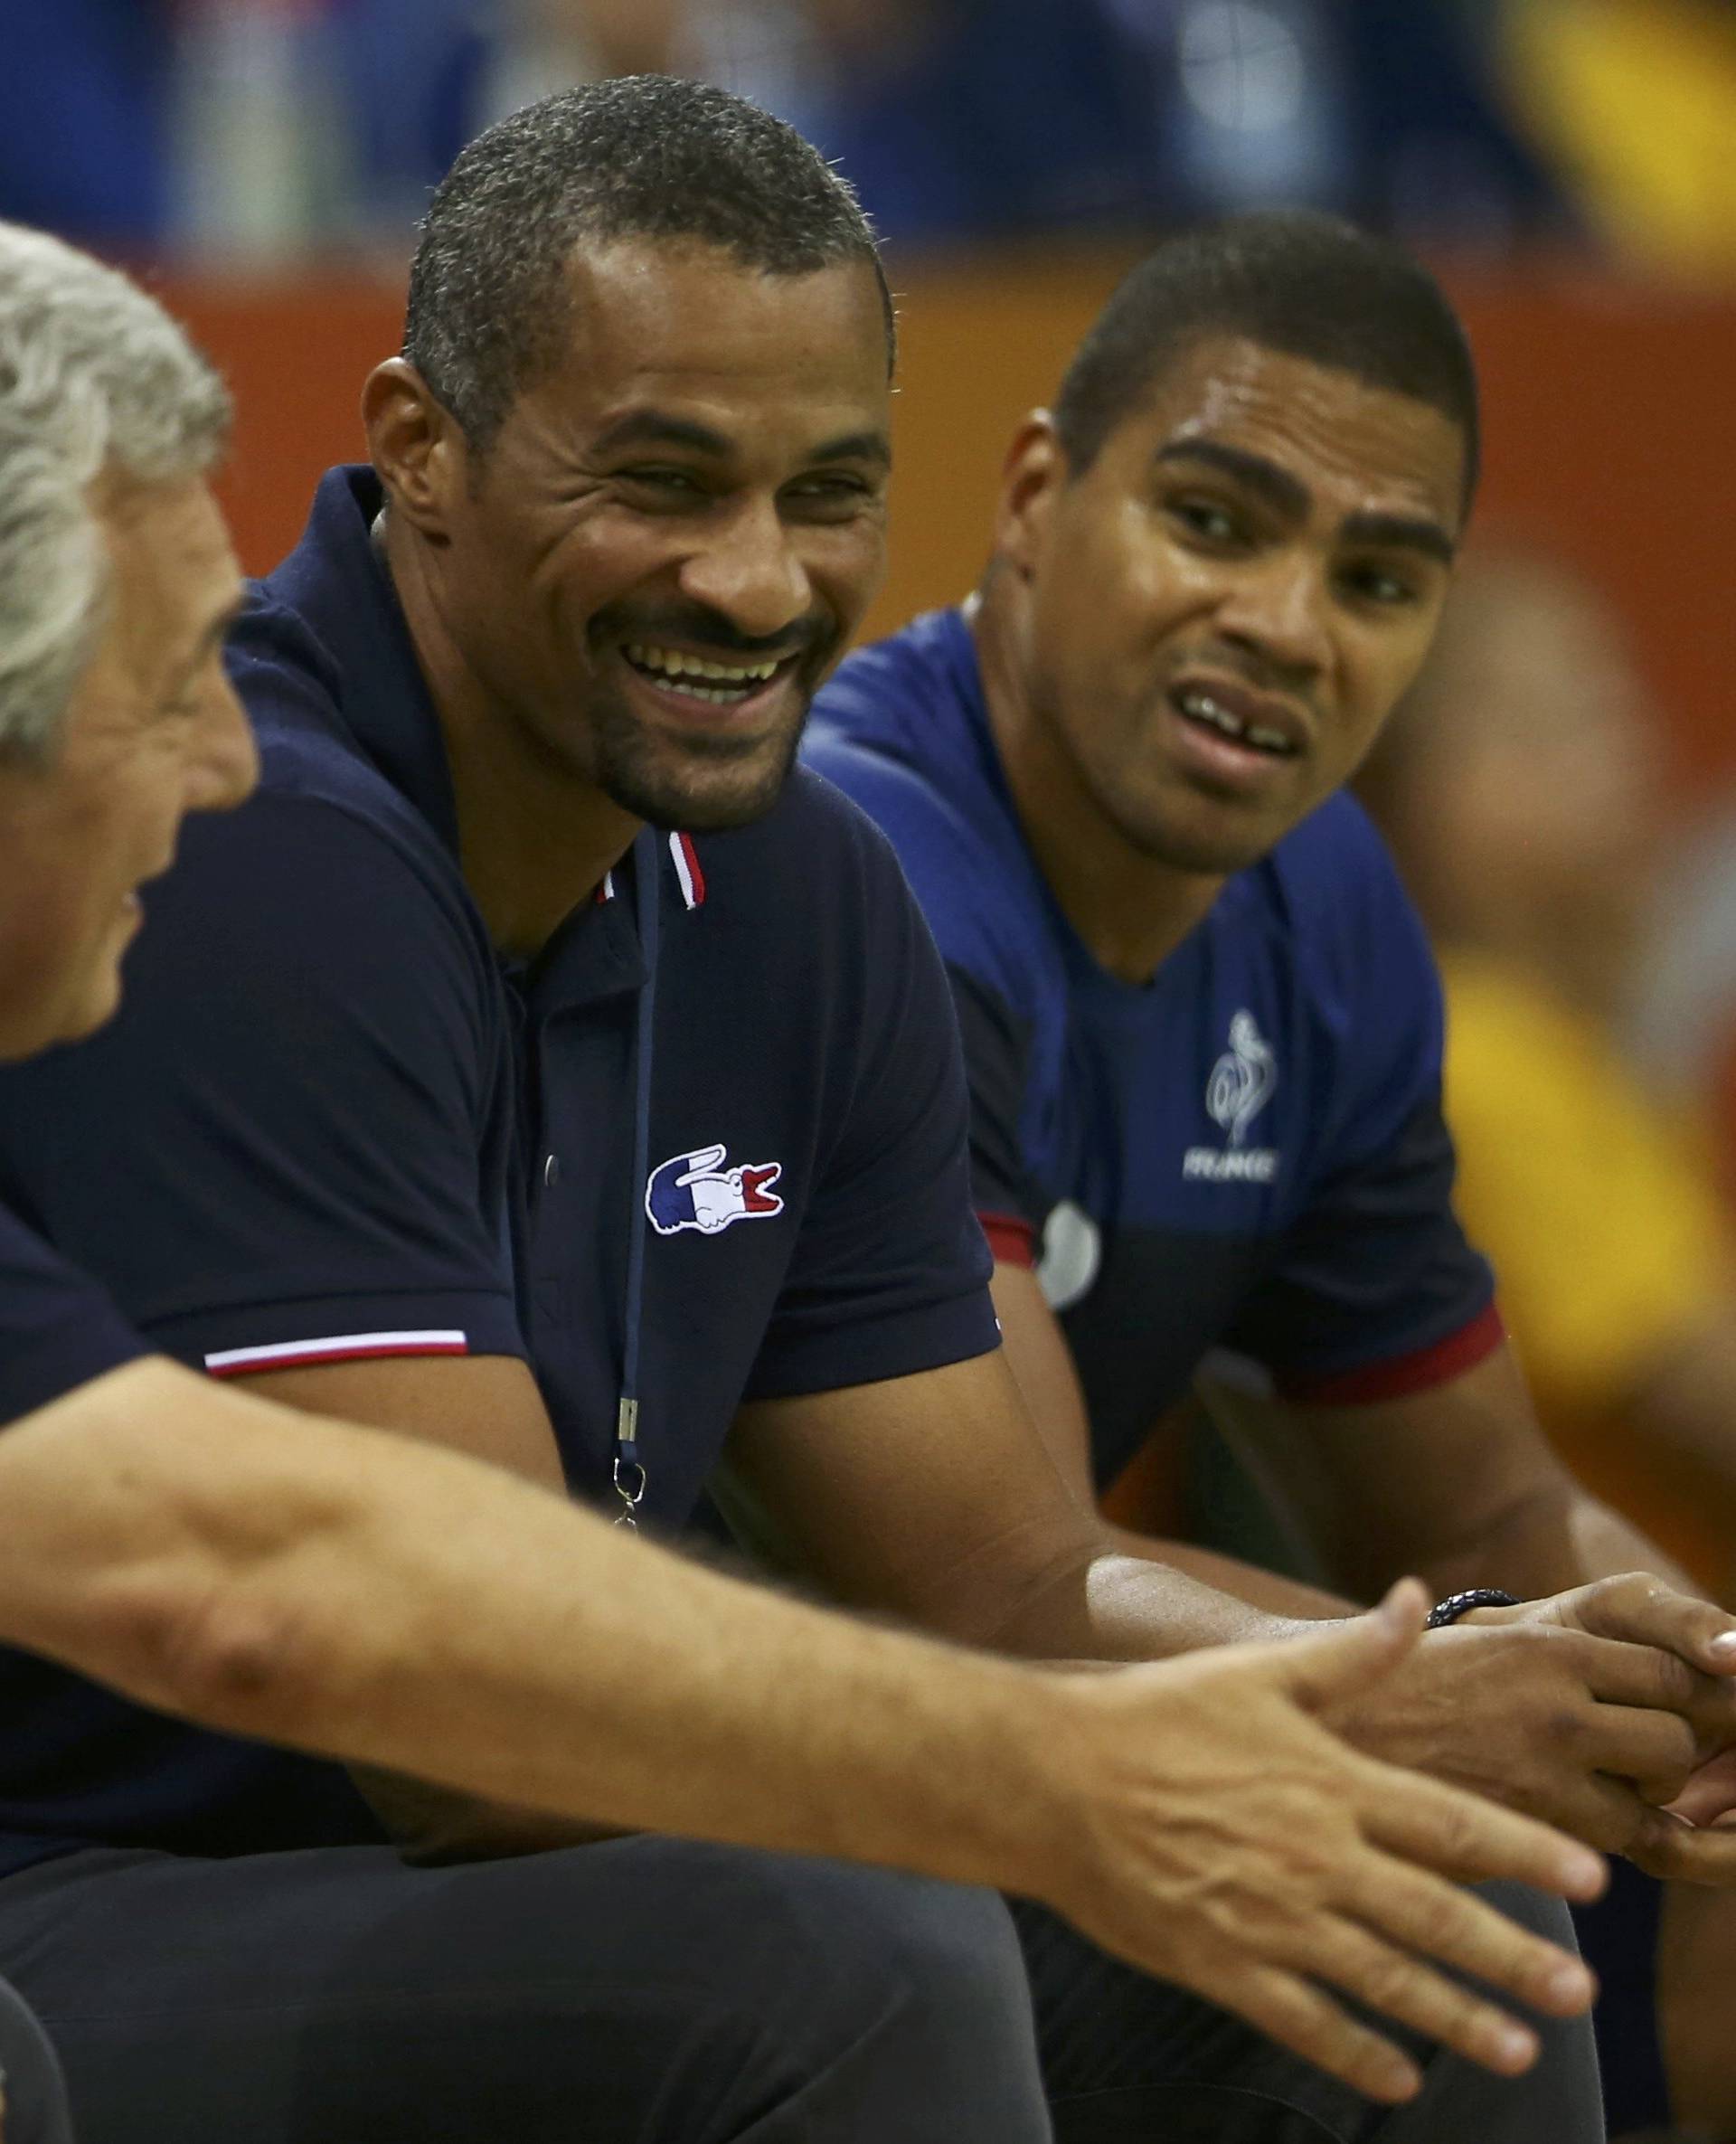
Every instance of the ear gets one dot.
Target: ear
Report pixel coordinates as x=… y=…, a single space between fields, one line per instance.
x=1033 y=478
x=415 y=445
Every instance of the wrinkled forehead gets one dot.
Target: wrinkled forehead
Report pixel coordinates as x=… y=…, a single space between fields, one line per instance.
x=1327 y=427
x=659 y=319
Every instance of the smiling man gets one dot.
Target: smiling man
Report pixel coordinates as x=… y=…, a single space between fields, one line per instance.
x=538 y=1063
x=1201 y=1022
x=273 y=1575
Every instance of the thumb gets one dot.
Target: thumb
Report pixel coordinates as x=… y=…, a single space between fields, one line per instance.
x=1341 y=1658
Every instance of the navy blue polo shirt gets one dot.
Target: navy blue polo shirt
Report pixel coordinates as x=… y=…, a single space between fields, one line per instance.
x=328 y=1123
x=1247 y=1151
x=58 y=1330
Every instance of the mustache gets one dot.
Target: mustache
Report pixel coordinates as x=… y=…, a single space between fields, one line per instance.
x=695 y=626
x=1259 y=672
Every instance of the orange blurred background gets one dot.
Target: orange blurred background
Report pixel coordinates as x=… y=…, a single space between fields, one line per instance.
x=1610 y=417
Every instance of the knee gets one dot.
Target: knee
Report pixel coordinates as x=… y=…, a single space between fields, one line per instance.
x=35 y=2095
x=954 y=1954
x=928 y=1952
x=935 y=1945
x=925 y=1984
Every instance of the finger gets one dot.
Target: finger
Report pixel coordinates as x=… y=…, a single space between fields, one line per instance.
x=1683 y=1853
x=1459 y=1929
x=1342 y=1657
x=1656 y=1752
x=1643 y=1608
x=1607 y=1813
x=1310 y=2024
x=1401 y=1988
x=1460 y=1835
x=1621 y=1673
x=1709 y=1795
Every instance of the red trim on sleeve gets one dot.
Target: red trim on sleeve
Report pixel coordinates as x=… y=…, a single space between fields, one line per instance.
x=251 y=1361
x=1401 y=1374
x=1010 y=1238
x=695 y=877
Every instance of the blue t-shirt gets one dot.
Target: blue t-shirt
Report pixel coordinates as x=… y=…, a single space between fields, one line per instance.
x=1247 y=1151
x=328 y=1123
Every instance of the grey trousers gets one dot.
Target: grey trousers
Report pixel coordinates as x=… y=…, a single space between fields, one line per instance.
x=30 y=2078
x=652 y=1991
x=1127 y=2059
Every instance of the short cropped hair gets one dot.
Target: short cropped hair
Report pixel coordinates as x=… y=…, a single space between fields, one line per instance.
x=95 y=379
x=642 y=156
x=1311 y=285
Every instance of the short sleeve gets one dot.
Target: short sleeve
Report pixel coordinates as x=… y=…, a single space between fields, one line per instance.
x=57 y=1329
x=964 y=899
x=889 y=1271
x=1009 y=1205
x=1374 y=1289
x=1375 y=1293
x=290 y=1143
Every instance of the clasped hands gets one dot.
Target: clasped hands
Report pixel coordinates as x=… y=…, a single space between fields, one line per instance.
x=1609 y=1711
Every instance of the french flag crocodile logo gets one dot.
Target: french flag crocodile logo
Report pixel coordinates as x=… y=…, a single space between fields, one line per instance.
x=693 y=1191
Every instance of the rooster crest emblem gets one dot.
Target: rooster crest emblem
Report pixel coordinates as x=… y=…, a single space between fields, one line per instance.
x=1241 y=1080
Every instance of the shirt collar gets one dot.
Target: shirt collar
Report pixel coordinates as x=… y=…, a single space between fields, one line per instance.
x=336 y=582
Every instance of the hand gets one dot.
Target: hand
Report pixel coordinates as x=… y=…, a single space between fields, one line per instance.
x=1596 y=1735
x=1639 y=1608
x=1222 y=1837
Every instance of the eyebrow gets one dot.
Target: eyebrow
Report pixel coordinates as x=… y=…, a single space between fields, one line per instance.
x=1276 y=486
x=1406 y=532
x=1288 y=495
x=656 y=428
x=215 y=634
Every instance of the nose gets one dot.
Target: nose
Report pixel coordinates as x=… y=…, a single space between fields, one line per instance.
x=1278 y=606
x=222 y=757
x=749 y=571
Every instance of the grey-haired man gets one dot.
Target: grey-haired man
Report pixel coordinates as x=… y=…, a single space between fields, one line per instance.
x=272 y=1575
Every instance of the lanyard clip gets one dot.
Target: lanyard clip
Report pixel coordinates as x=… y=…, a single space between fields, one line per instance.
x=629 y=1475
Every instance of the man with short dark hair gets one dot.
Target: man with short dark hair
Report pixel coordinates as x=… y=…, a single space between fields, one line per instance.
x=269 y=1575
x=458 y=1051
x=1200 y=1020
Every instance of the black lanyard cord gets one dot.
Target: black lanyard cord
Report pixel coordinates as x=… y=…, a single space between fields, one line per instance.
x=630 y=1467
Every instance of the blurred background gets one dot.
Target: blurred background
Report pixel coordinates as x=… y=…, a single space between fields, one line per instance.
x=1563 y=789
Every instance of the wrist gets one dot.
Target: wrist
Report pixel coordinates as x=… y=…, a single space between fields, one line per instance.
x=995 y=1791
x=1472 y=1600
x=1048 y=1776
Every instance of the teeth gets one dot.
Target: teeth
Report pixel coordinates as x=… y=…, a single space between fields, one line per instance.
x=1203 y=708
x=673 y=662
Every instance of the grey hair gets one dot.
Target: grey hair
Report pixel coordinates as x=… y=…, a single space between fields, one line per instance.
x=644 y=156
x=94 y=378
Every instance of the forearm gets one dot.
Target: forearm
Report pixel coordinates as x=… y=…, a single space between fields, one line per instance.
x=346 y=1592
x=1127 y=1598
x=1288 y=1598
x=1559 y=1538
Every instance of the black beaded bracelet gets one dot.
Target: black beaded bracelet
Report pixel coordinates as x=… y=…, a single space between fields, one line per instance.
x=1458 y=1604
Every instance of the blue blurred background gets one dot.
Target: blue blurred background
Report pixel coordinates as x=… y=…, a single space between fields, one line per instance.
x=274 y=130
